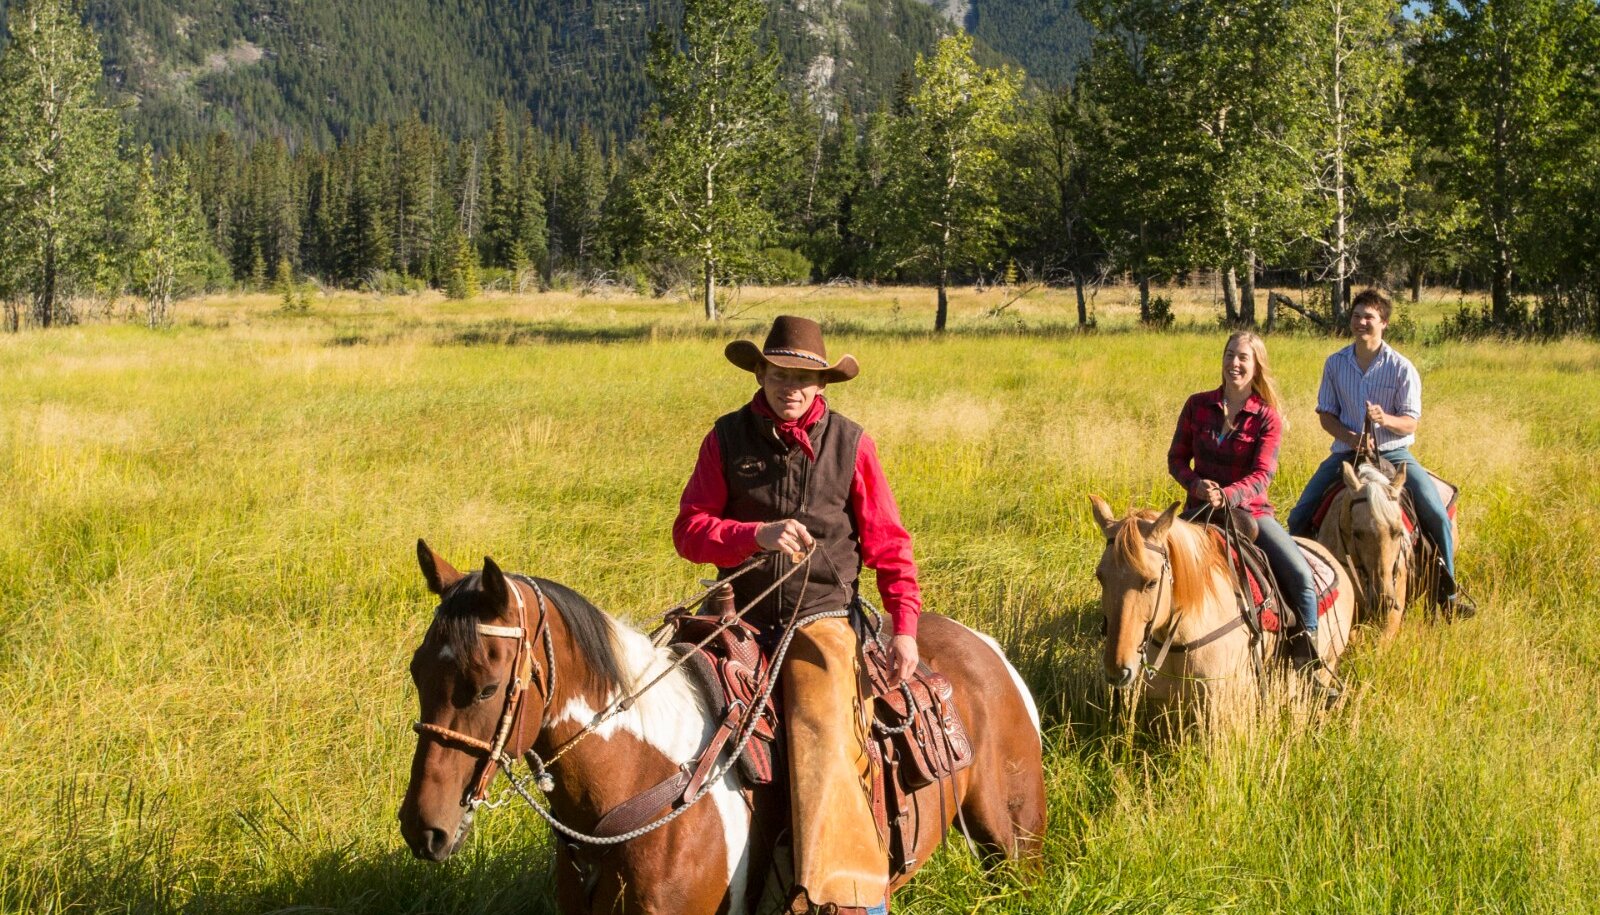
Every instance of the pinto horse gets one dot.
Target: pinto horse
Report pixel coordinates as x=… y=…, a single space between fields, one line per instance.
x=527 y=664
x=1167 y=582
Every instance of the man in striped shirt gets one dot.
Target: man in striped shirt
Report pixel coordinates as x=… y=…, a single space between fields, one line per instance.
x=1369 y=380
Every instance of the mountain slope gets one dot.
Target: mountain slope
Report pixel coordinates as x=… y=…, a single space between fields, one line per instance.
x=314 y=70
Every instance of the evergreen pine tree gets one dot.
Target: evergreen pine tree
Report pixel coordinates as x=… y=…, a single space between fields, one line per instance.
x=530 y=224
x=499 y=197
x=461 y=277
x=582 y=199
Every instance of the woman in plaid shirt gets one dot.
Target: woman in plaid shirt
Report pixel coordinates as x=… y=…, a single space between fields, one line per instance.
x=1225 y=452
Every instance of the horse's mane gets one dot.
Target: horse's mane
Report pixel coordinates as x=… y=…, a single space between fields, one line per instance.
x=1196 y=561
x=1376 y=485
x=456 y=626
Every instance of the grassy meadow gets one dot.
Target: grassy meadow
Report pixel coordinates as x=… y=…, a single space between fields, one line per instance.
x=208 y=594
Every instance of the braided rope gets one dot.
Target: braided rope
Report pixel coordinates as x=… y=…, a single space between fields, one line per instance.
x=752 y=718
x=621 y=705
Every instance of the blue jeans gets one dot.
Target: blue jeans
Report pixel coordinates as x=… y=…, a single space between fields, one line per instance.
x=1431 y=513
x=1290 y=568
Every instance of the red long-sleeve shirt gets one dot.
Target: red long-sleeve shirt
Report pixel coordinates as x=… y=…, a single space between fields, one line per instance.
x=1242 y=462
x=702 y=534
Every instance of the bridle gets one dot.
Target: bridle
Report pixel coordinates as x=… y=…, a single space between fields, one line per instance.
x=526 y=672
x=1169 y=645
x=1401 y=555
x=1162 y=587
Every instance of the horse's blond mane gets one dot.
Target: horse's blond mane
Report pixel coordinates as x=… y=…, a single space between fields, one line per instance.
x=1384 y=506
x=1196 y=560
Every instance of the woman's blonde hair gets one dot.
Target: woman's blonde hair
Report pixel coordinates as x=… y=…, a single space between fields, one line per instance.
x=1261 y=382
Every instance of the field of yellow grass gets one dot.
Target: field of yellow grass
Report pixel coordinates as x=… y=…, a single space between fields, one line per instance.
x=210 y=595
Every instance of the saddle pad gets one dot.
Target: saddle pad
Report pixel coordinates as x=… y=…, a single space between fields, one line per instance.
x=1322 y=576
x=1324 y=580
x=710 y=673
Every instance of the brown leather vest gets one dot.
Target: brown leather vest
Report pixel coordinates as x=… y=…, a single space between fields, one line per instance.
x=767 y=482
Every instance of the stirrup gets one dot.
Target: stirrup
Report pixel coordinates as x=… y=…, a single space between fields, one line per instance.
x=1308 y=663
x=1459 y=606
x=800 y=904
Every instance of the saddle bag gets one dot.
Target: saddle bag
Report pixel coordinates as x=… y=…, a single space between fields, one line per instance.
x=919 y=720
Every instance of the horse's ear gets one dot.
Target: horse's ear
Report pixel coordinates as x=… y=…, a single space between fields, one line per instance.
x=1350 y=478
x=440 y=574
x=1163 y=525
x=1398 y=483
x=495 y=590
x=1102 y=513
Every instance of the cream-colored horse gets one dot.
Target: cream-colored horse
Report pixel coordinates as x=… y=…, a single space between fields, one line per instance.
x=1365 y=530
x=1165 y=581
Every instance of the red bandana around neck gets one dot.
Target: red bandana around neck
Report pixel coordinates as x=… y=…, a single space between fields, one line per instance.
x=795 y=432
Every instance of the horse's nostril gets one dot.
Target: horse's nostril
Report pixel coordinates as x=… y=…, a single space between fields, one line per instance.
x=435 y=843
x=1121 y=677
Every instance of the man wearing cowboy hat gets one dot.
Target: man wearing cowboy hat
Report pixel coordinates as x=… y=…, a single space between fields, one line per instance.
x=785 y=474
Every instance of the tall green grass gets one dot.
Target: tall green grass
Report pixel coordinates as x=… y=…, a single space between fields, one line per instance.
x=208 y=597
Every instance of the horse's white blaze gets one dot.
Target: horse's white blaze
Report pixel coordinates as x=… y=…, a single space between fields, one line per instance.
x=672 y=717
x=1016 y=679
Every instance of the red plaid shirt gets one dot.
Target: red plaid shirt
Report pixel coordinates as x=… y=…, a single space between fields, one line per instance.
x=1242 y=462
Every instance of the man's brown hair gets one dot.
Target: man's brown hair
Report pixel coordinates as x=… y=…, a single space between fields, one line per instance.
x=1375 y=299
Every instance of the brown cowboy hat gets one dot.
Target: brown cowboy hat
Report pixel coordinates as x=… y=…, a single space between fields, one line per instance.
x=793 y=343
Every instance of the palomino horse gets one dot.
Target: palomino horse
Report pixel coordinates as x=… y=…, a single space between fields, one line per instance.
x=492 y=631
x=1166 y=582
x=1365 y=529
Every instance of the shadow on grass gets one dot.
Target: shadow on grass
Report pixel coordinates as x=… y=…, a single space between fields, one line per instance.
x=487 y=882
x=508 y=332
x=113 y=846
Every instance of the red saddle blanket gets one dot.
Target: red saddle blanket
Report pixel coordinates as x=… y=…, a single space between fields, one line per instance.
x=1322 y=575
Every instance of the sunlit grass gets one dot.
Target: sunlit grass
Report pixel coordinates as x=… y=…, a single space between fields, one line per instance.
x=209 y=594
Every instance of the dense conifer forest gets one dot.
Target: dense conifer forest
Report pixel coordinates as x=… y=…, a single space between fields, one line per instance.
x=1296 y=149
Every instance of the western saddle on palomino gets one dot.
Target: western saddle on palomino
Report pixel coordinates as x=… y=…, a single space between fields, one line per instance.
x=1428 y=573
x=918 y=738
x=1262 y=607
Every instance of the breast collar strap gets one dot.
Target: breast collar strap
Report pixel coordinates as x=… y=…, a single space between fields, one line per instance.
x=526 y=671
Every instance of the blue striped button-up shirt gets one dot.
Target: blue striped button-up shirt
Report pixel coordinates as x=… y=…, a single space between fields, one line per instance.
x=1391 y=382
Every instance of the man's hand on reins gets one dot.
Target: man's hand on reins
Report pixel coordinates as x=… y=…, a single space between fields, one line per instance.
x=903 y=658
x=786 y=536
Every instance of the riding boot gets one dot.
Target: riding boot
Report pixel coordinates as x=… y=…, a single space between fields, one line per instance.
x=1307 y=661
x=1448 y=597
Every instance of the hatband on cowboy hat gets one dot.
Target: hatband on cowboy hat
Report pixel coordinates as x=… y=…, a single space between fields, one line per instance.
x=793 y=343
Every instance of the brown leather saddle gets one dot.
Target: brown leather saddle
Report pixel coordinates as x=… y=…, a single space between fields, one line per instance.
x=917 y=735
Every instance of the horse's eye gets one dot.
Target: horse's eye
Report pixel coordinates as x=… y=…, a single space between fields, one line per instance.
x=488 y=691
x=1150 y=585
